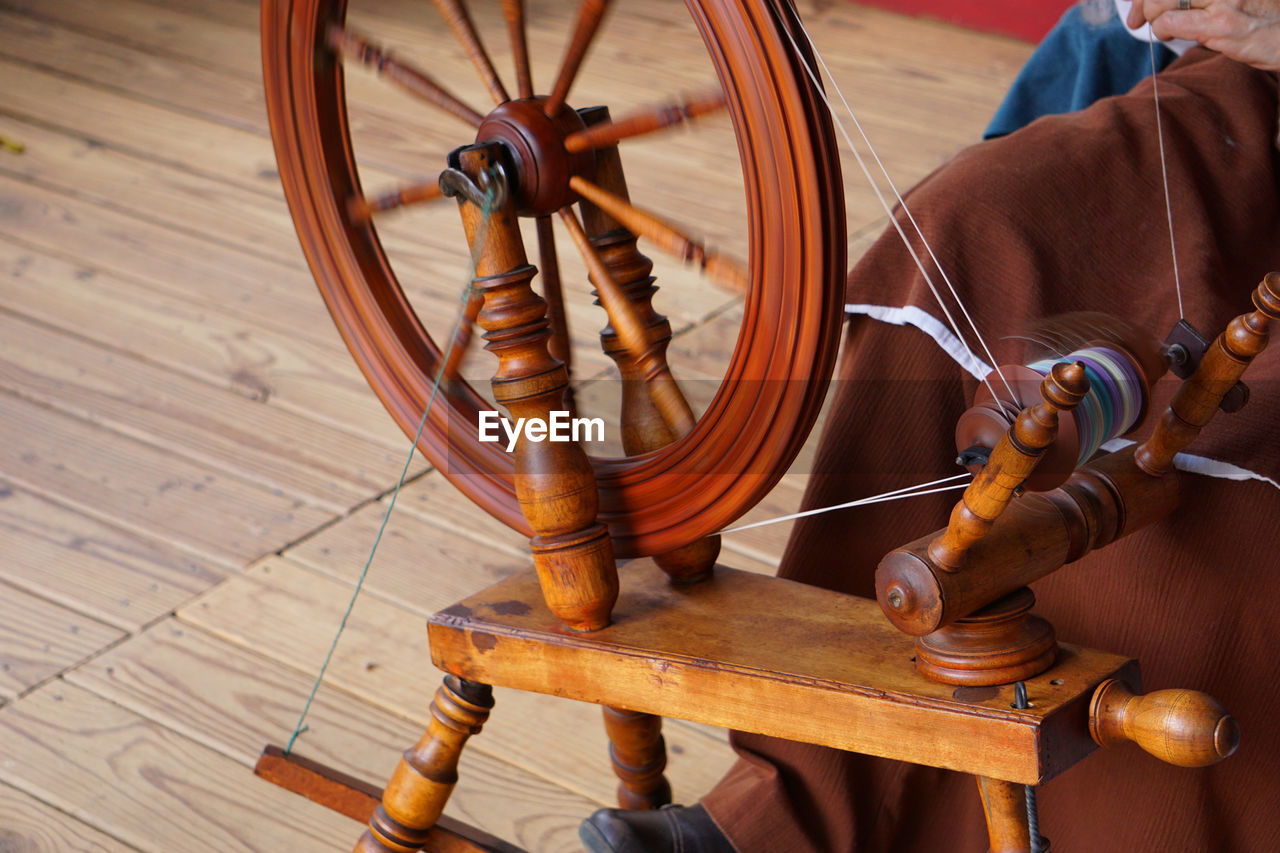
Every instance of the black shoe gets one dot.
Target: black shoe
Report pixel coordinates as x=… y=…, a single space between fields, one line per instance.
x=670 y=829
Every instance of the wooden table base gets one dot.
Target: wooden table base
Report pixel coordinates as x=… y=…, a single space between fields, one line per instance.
x=767 y=655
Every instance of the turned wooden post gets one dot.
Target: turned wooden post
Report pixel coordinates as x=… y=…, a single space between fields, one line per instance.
x=424 y=778
x=639 y=757
x=1001 y=641
x=1198 y=398
x=554 y=480
x=1004 y=804
x=1012 y=460
x=654 y=410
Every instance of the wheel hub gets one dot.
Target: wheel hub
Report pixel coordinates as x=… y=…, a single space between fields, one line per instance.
x=541 y=165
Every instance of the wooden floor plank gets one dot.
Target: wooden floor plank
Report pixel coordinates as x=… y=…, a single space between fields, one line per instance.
x=30 y=826
x=264 y=444
x=149 y=786
x=319 y=382
x=286 y=612
x=420 y=565
x=39 y=639
x=200 y=271
x=438 y=502
x=134 y=485
x=110 y=574
x=235 y=702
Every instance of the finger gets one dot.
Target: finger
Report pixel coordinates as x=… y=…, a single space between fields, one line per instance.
x=1193 y=25
x=1137 y=17
x=1144 y=11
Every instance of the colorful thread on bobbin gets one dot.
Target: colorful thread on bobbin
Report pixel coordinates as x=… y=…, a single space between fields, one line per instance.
x=1115 y=399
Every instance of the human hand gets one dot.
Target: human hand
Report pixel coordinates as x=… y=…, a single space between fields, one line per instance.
x=1245 y=30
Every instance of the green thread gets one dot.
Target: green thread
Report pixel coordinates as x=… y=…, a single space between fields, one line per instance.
x=481 y=233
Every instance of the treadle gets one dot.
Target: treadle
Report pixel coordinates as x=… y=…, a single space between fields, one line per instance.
x=357 y=799
x=772 y=656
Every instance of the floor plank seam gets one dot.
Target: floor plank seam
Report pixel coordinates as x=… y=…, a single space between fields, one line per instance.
x=131 y=95
x=299 y=264
x=59 y=810
x=153 y=156
x=152 y=440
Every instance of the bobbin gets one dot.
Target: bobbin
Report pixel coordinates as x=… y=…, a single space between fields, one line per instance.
x=1116 y=405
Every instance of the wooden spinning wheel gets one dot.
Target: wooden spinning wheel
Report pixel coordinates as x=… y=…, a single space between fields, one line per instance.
x=962 y=590
x=795 y=273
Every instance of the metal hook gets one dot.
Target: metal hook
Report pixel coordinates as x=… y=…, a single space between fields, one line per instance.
x=457 y=184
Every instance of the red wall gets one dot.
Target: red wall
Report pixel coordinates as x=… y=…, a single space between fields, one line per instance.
x=1025 y=19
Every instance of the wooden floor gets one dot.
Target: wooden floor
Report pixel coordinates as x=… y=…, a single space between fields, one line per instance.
x=192 y=471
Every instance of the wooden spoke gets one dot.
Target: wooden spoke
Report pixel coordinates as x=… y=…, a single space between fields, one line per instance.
x=645 y=121
x=549 y=267
x=362 y=208
x=455 y=14
x=346 y=43
x=513 y=11
x=590 y=14
x=462 y=338
x=663 y=390
x=663 y=235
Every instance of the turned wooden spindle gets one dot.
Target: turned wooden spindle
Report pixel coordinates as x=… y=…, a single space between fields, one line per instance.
x=1010 y=462
x=1107 y=499
x=555 y=483
x=639 y=757
x=424 y=778
x=1182 y=727
x=1004 y=805
x=645 y=426
x=1198 y=398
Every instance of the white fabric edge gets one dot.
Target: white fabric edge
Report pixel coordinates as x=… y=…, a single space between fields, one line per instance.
x=1200 y=465
x=910 y=315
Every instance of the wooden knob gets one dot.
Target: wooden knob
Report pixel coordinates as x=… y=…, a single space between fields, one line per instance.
x=1182 y=727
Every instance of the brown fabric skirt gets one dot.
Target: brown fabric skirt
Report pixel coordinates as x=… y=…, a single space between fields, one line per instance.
x=1065 y=215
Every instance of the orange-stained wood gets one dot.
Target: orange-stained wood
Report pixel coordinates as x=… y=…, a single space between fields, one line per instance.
x=645 y=426
x=1012 y=460
x=633 y=335
x=709 y=653
x=790 y=327
x=513 y=12
x=412 y=802
x=645 y=121
x=1038 y=534
x=664 y=235
x=358 y=799
x=639 y=756
x=459 y=20
x=413 y=80
x=1198 y=398
x=1182 y=727
x=590 y=15
x=362 y=209
x=1004 y=805
x=554 y=481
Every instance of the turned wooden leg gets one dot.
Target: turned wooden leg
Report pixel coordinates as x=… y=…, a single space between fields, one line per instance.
x=652 y=416
x=415 y=796
x=639 y=756
x=1005 y=806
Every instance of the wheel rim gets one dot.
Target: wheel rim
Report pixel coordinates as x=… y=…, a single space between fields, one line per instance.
x=776 y=378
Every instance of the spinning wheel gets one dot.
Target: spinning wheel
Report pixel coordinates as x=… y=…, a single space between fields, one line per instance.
x=961 y=590
x=794 y=275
